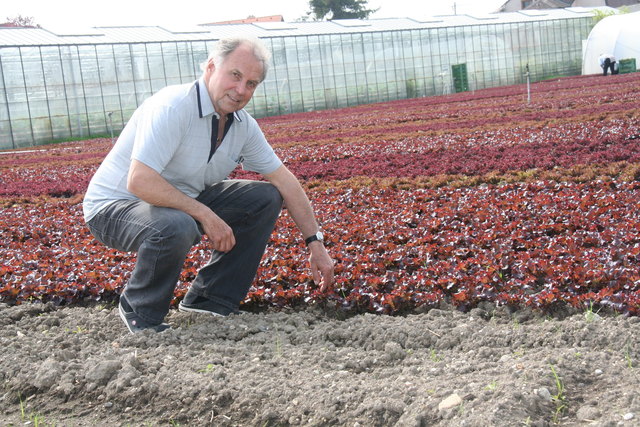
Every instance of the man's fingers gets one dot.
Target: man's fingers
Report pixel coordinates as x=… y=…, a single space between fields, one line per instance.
x=324 y=279
x=224 y=244
x=317 y=277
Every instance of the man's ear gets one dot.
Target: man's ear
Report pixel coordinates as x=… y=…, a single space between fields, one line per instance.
x=210 y=67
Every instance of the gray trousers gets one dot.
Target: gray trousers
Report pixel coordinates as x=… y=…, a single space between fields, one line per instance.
x=162 y=238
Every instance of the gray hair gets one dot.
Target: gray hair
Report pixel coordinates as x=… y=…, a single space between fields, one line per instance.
x=224 y=47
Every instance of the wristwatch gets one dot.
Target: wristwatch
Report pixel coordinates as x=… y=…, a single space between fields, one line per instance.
x=318 y=236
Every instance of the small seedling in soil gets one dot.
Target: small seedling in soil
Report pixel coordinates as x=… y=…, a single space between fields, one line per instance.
x=491 y=386
x=32 y=419
x=627 y=355
x=589 y=314
x=559 y=398
x=208 y=369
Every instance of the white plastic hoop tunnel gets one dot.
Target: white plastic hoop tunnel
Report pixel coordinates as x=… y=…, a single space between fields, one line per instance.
x=618 y=35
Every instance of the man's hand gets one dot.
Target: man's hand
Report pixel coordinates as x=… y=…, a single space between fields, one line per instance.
x=151 y=187
x=219 y=233
x=321 y=265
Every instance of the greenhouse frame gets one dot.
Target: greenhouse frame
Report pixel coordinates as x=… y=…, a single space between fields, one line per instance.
x=56 y=86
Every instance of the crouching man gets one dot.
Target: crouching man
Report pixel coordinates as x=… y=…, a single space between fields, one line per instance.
x=163 y=185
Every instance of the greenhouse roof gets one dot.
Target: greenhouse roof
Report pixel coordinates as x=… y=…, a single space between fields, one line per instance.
x=15 y=37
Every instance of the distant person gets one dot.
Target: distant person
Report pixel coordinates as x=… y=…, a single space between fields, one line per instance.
x=164 y=185
x=607 y=62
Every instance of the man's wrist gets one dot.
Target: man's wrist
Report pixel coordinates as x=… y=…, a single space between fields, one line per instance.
x=318 y=237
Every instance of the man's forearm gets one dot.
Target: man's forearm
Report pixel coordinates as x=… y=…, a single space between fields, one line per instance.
x=147 y=184
x=296 y=200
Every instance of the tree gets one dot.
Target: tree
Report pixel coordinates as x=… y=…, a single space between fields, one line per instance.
x=21 y=21
x=599 y=14
x=339 y=9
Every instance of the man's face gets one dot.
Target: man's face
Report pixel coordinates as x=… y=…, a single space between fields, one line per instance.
x=232 y=83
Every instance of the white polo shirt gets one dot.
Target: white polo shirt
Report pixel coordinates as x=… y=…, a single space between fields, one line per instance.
x=171 y=133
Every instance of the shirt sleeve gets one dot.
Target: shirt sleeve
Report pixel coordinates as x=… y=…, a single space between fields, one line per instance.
x=158 y=136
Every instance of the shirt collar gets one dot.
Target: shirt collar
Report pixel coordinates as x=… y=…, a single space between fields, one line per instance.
x=205 y=106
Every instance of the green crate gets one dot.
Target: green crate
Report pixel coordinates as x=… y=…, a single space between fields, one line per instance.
x=460 y=77
x=627 y=65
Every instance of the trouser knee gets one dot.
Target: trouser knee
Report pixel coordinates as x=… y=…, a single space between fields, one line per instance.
x=178 y=231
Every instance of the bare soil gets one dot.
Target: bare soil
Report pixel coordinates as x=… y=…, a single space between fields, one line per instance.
x=79 y=366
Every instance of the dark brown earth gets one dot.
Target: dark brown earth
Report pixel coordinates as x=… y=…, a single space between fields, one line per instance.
x=79 y=366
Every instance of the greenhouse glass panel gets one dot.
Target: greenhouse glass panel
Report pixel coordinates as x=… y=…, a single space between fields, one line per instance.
x=199 y=54
x=188 y=69
x=360 y=68
x=277 y=79
x=449 y=46
x=13 y=75
x=92 y=86
x=56 y=93
x=399 y=87
x=350 y=73
x=511 y=62
x=4 y=111
x=337 y=58
x=171 y=63
x=461 y=44
x=503 y=54
x=414 y=54
x=19 y=111
x=382 y=73
x=316 y=71
x=74 y=89
x=156 y=66
x=439 y=40
x=388 y=66
x=34 y=82
x=305 y=73
x=513 y=44
x=278 y=52
x=426 y=54
x=293 y=74
x=109 y=78
x=382 y=76
x=339 y=93
x=272 y=104
x=54 y=80
x=141 y=74
x=488 y=63
x=31 y=96
x=410 y=64
x=368 y=65
x=123 y=77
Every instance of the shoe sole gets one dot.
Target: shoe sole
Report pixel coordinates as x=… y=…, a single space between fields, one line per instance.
x=198 y=310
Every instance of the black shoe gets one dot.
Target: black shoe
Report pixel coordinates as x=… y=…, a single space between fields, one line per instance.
x=202 y=305
x=134 y=322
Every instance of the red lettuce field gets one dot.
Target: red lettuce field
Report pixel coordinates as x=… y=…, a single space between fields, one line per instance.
x=460 y=199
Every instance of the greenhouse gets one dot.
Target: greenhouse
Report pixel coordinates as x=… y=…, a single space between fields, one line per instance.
x=58 y=86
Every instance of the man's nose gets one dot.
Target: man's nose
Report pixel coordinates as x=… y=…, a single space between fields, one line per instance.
x=241 y=87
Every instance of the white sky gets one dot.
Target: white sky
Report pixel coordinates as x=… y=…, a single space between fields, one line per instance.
x=71 y=14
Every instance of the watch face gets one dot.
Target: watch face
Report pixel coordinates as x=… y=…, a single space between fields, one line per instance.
x=319 y=235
